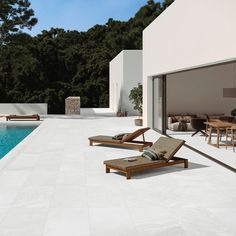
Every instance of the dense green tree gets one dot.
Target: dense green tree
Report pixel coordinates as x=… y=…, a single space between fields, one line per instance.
x=56 y=63
x=15 y=15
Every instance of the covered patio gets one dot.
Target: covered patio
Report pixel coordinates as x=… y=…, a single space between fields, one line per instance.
x=200 y=93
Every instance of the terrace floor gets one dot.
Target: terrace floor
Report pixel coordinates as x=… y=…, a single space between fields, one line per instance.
x=54 y=184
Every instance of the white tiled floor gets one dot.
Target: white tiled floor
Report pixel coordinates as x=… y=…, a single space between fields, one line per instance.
x=54 y=184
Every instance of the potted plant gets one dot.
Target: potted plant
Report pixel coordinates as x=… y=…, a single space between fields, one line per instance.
x=121 y=113
x=233 y=113
x=118 y=113
x=136 y=97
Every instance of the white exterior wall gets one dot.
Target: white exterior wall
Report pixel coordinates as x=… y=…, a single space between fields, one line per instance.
x=133 y=71
x=23 y=108
x=188 y=34
x=125 y=73
x=201 y=91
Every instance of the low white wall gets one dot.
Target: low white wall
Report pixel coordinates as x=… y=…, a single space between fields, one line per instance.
x=23 y=108
x=201 y=91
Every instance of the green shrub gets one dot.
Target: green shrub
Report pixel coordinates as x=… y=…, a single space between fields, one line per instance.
x=136 y=97
x=233 y=112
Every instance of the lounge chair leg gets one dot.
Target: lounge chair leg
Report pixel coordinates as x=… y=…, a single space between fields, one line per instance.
x=143 y=138
x=128 y=175
x=90 y=143
x=107 y=169
x=185 y=163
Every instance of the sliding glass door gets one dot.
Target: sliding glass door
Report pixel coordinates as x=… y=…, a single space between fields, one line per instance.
x=159 y=104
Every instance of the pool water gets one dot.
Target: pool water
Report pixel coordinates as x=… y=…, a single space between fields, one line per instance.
x=10 y=136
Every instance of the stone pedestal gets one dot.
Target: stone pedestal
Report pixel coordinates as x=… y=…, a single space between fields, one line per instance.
x=72 y=106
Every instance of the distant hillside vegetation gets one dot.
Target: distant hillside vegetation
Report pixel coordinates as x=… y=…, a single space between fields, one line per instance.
x=57 y=63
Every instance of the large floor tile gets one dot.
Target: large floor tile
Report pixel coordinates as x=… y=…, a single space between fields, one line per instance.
x=67 y=221
x=71 y=178
x=153 y=221
x=23 y=222
x=42 y=178
x=105 y=197
x=225 y=218
x=13 y=178
x=34 y=197
x=111 y=221
x=69 y=196
x=7 y=196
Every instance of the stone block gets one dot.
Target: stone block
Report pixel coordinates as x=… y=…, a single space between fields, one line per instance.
x=72 y=106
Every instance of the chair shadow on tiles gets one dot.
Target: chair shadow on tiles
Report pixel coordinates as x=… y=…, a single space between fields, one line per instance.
x=164 y=170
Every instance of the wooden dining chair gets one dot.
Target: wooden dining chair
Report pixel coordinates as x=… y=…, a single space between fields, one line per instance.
x=210 y=129
x=231 y=132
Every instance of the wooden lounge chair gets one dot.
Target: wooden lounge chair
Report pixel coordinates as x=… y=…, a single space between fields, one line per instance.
x=23 y=117
x=127 y=141
x=171 y=146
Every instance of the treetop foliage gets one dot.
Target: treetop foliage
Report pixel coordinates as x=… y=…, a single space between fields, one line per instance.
x=15 y=15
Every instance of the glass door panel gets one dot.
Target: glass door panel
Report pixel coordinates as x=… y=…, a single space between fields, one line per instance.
x=159 y=106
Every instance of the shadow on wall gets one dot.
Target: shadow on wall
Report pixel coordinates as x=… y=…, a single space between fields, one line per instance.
x=107 y=112
x=125 y=107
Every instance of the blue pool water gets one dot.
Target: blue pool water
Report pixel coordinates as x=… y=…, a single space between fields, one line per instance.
x=10 y=136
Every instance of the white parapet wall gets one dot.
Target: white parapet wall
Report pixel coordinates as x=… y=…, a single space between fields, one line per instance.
x=23 y=108
x=125 y=73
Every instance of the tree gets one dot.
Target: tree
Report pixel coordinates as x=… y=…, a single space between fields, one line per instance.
x=167 y=3
x=15 y=15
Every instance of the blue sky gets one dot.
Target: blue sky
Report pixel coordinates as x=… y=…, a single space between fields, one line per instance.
x=81 y=14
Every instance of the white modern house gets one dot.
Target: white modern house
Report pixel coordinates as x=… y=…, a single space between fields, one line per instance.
x=126 y=71
x=189 y=61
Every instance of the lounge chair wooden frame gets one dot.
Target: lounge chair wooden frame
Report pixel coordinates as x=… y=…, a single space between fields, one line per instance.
x=128 y=141
x=130 y=168
x=23 y=117
x=130 y=171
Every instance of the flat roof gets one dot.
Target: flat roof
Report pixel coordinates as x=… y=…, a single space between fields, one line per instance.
x=221 y=62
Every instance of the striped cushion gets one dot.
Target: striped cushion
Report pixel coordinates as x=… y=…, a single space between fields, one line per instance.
x=150 y=154
x=153 y=155
x=119 y=136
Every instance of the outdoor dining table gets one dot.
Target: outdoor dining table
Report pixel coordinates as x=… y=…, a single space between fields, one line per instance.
x=219 y=126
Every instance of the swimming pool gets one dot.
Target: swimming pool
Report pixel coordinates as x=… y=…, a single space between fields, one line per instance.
x=10 y=136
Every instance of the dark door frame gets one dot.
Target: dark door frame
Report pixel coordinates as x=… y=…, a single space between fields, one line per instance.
x=164 y=110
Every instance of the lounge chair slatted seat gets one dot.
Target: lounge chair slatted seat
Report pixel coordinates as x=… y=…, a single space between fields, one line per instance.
x=171 y=146
x=128 y=141
x=23 y=117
